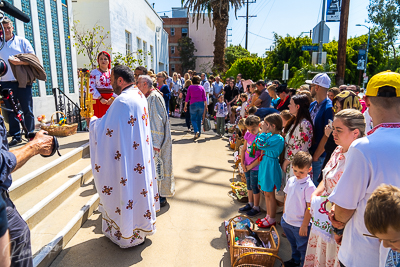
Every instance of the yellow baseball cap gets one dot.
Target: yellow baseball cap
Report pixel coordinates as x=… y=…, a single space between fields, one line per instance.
x=383 y=79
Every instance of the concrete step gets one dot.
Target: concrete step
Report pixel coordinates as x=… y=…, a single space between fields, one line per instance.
x=38 y=176
x=52 y=233
x=67 y=144
x=41 y=201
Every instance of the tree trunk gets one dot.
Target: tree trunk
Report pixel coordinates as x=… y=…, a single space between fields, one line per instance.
x=394 y=51
x=220 y=20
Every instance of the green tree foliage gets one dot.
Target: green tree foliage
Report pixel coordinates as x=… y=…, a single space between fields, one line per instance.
x=90 y=42
x=308 y=72
x=186 y=50
x=287 y=50
x=250 y=68
x=386 y=15
x=233 y=52
x=130 y=60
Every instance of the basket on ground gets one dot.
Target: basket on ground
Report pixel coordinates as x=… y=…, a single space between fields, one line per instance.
x=237 y=252
x=56 y=130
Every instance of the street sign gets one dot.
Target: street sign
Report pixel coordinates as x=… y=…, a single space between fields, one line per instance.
x=314 y=58
x=309 y=48
x=333 y=10
x=361 y=59
x=315 y=31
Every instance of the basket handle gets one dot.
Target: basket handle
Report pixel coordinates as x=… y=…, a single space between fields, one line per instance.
x=247 y=254
x=52 y=115
x=276 y=232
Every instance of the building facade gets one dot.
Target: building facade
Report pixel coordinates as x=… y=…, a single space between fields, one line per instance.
x=132 y=25
x=49 y=32
x=181 y=24
x=203 y=36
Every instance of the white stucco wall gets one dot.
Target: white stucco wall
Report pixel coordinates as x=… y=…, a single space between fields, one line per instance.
x=203 y=38
x=90 y=13
x=138 y=18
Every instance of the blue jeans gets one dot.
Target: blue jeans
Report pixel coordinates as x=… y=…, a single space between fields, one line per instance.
x=252 y=181
x=196 y=115
x=187 y=117
x=317 y=168
x=297 y=242
x=24 y=96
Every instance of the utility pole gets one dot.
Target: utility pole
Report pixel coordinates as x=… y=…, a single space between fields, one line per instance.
x=342 y=43
x=247 y=20
x=321 y=33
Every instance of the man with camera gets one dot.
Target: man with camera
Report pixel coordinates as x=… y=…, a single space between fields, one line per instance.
x=16 y=45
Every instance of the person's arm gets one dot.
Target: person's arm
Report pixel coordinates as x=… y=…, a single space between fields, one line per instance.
x=242 y=155
x=41 y=144
x=306 y=221
x=256 y=162
x=320 y=149
x=92 y=88
x=18 y=62
x=340 y=216
x=318 y=192
x=258 y=102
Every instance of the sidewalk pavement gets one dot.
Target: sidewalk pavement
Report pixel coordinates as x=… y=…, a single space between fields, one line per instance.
x=190 y=229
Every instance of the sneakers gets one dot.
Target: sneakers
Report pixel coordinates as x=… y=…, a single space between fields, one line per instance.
x=253 y=212
x=14 y=142
x=246 y=208
x=291 y=263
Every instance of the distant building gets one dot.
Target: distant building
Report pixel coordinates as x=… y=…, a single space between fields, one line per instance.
x=203 y=38
x=176 y=27
x=181 y=25
x=49 y=32
x=132 y=26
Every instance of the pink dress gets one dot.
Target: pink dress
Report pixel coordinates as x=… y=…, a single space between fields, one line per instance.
x=320 y=252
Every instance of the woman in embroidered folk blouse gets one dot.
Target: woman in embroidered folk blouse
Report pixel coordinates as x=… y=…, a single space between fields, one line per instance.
x=298 y=132
x=100 y=85
x=348 y=125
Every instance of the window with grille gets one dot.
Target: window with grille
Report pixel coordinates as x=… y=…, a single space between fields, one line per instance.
x=172 y=31
x=172 y=49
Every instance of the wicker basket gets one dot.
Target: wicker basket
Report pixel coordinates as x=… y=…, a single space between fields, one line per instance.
x=256 y=259
x=65 y=130
x=237 y=251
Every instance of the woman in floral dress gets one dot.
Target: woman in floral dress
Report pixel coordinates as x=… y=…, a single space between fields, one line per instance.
x=298 y=132
x=322 y=249
x=100 y=85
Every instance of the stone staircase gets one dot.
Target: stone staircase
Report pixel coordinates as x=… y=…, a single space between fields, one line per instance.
x=55 y=197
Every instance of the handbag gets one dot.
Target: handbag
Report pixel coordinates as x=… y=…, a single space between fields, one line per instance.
x=206 y=124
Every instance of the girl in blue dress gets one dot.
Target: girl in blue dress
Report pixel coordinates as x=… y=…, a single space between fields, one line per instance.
x=271 y=144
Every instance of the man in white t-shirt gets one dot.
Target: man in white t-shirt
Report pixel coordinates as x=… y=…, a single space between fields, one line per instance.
x=206 y=85
x=370 y=162
x=16 y=45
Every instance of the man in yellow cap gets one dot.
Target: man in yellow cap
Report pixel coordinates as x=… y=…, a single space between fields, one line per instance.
x=369 y=163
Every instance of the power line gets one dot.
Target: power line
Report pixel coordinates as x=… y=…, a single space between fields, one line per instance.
x=262 y=36
x=264 y=21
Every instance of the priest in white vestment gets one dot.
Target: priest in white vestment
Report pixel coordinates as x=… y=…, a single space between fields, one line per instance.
x=121 y=153
x=161 y=136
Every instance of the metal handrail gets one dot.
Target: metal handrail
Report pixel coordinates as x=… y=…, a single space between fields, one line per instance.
x=63 y=103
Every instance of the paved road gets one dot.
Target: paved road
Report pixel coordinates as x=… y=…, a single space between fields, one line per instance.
x=190 y=228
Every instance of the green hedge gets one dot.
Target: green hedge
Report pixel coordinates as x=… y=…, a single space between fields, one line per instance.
x=250 y=68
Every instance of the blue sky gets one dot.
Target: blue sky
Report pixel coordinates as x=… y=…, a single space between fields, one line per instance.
x=281 y=16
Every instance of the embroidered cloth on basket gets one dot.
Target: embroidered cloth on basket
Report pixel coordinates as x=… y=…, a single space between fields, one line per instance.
x=123 y=168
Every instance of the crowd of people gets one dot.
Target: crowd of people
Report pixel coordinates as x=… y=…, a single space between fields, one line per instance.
x=321 y=152
x=315 y=152
x=321 y=155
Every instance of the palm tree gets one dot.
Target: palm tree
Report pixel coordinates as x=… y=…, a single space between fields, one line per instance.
x=220 y=18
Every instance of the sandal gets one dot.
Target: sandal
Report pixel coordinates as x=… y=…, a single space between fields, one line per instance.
x=262 y=220
x=262 y=225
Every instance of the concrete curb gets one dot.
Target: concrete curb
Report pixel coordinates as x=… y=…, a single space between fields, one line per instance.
x=37 y=177
x=49 y=252
x=52 y=201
